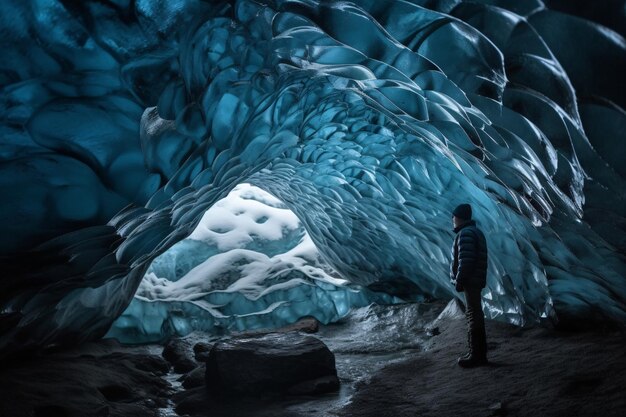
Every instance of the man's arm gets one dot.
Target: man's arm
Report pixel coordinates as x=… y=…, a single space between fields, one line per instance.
x=453 y=265
x=467 y=256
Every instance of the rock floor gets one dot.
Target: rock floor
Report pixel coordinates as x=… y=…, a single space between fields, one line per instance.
x=533 y=372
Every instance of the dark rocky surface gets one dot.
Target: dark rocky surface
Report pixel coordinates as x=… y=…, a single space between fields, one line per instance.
x=533 y=372
x=305 y=324
x=275 y=362
x=98 y=379
x=194 y=378
x=180 y=353
x=201 y=351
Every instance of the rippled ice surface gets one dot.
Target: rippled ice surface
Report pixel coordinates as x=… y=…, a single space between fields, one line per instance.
x=123 y=122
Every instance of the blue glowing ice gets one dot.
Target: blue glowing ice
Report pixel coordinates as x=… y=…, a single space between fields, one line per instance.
x=248 y=264
x=124 y=122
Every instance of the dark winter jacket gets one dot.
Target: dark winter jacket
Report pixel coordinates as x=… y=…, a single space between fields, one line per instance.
x=469 y=257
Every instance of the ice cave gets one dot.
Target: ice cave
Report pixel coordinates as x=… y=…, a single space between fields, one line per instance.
x=219 y=165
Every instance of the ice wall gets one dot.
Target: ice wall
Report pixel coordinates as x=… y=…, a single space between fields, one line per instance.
x=249 y=264
x=123 y=122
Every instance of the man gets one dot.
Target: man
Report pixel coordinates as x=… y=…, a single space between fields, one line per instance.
x=468 y=273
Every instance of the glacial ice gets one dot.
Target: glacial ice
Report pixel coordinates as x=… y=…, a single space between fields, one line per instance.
x=248 y=264
x=122 y=123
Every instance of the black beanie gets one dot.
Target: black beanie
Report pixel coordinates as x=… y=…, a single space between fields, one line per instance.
x=463 y=211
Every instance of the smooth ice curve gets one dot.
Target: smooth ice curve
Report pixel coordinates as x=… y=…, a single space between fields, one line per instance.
x=123 y=123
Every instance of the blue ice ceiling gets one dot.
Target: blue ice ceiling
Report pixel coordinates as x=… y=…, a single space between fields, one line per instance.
x=124 y=122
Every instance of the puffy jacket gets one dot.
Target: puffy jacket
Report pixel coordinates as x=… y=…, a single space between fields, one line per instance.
x=469 y=256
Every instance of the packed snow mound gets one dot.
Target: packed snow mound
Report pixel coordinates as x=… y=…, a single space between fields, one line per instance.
x=124 y=122
x=248 y=264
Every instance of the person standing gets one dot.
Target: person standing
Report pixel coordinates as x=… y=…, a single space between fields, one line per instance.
x=468 y=273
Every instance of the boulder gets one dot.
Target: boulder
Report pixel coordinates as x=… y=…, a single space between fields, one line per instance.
x=179 y=353
x=306 y=324
x=328 y=383
x=271 y=363
x=194 y=378
x=201 y=351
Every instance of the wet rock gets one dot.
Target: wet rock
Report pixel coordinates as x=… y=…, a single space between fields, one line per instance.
x=148 y=363
x=192 y=401
x=321 y=385
x=271 y=363
x=194 y=378
x=201 y=351
x=179 y=352
x=97 y=379
x=305 y=324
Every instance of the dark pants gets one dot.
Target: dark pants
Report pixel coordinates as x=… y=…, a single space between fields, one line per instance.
x=476 y=335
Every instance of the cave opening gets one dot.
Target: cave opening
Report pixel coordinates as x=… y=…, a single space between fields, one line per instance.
x=249 y=264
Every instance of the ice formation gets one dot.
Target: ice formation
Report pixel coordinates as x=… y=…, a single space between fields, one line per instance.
x=124 y=122
x=248 y=264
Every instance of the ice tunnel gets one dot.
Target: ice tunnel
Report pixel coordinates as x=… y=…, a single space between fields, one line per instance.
x=124 y=122
x=249 y=264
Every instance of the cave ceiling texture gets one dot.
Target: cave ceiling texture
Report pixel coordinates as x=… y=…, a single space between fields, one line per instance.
x=122 y=122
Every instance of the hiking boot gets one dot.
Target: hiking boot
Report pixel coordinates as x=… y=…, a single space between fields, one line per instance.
x=471 y=361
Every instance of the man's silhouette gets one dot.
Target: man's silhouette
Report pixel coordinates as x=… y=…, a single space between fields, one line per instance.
x=468 y=273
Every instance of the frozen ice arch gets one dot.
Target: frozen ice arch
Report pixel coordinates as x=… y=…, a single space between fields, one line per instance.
x=123 y=123
x=249 y=264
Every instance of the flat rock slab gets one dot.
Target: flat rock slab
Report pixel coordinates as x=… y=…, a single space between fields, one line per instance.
x=272 y=363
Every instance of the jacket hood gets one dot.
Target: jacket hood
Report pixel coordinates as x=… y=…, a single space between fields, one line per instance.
x=467 y=223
